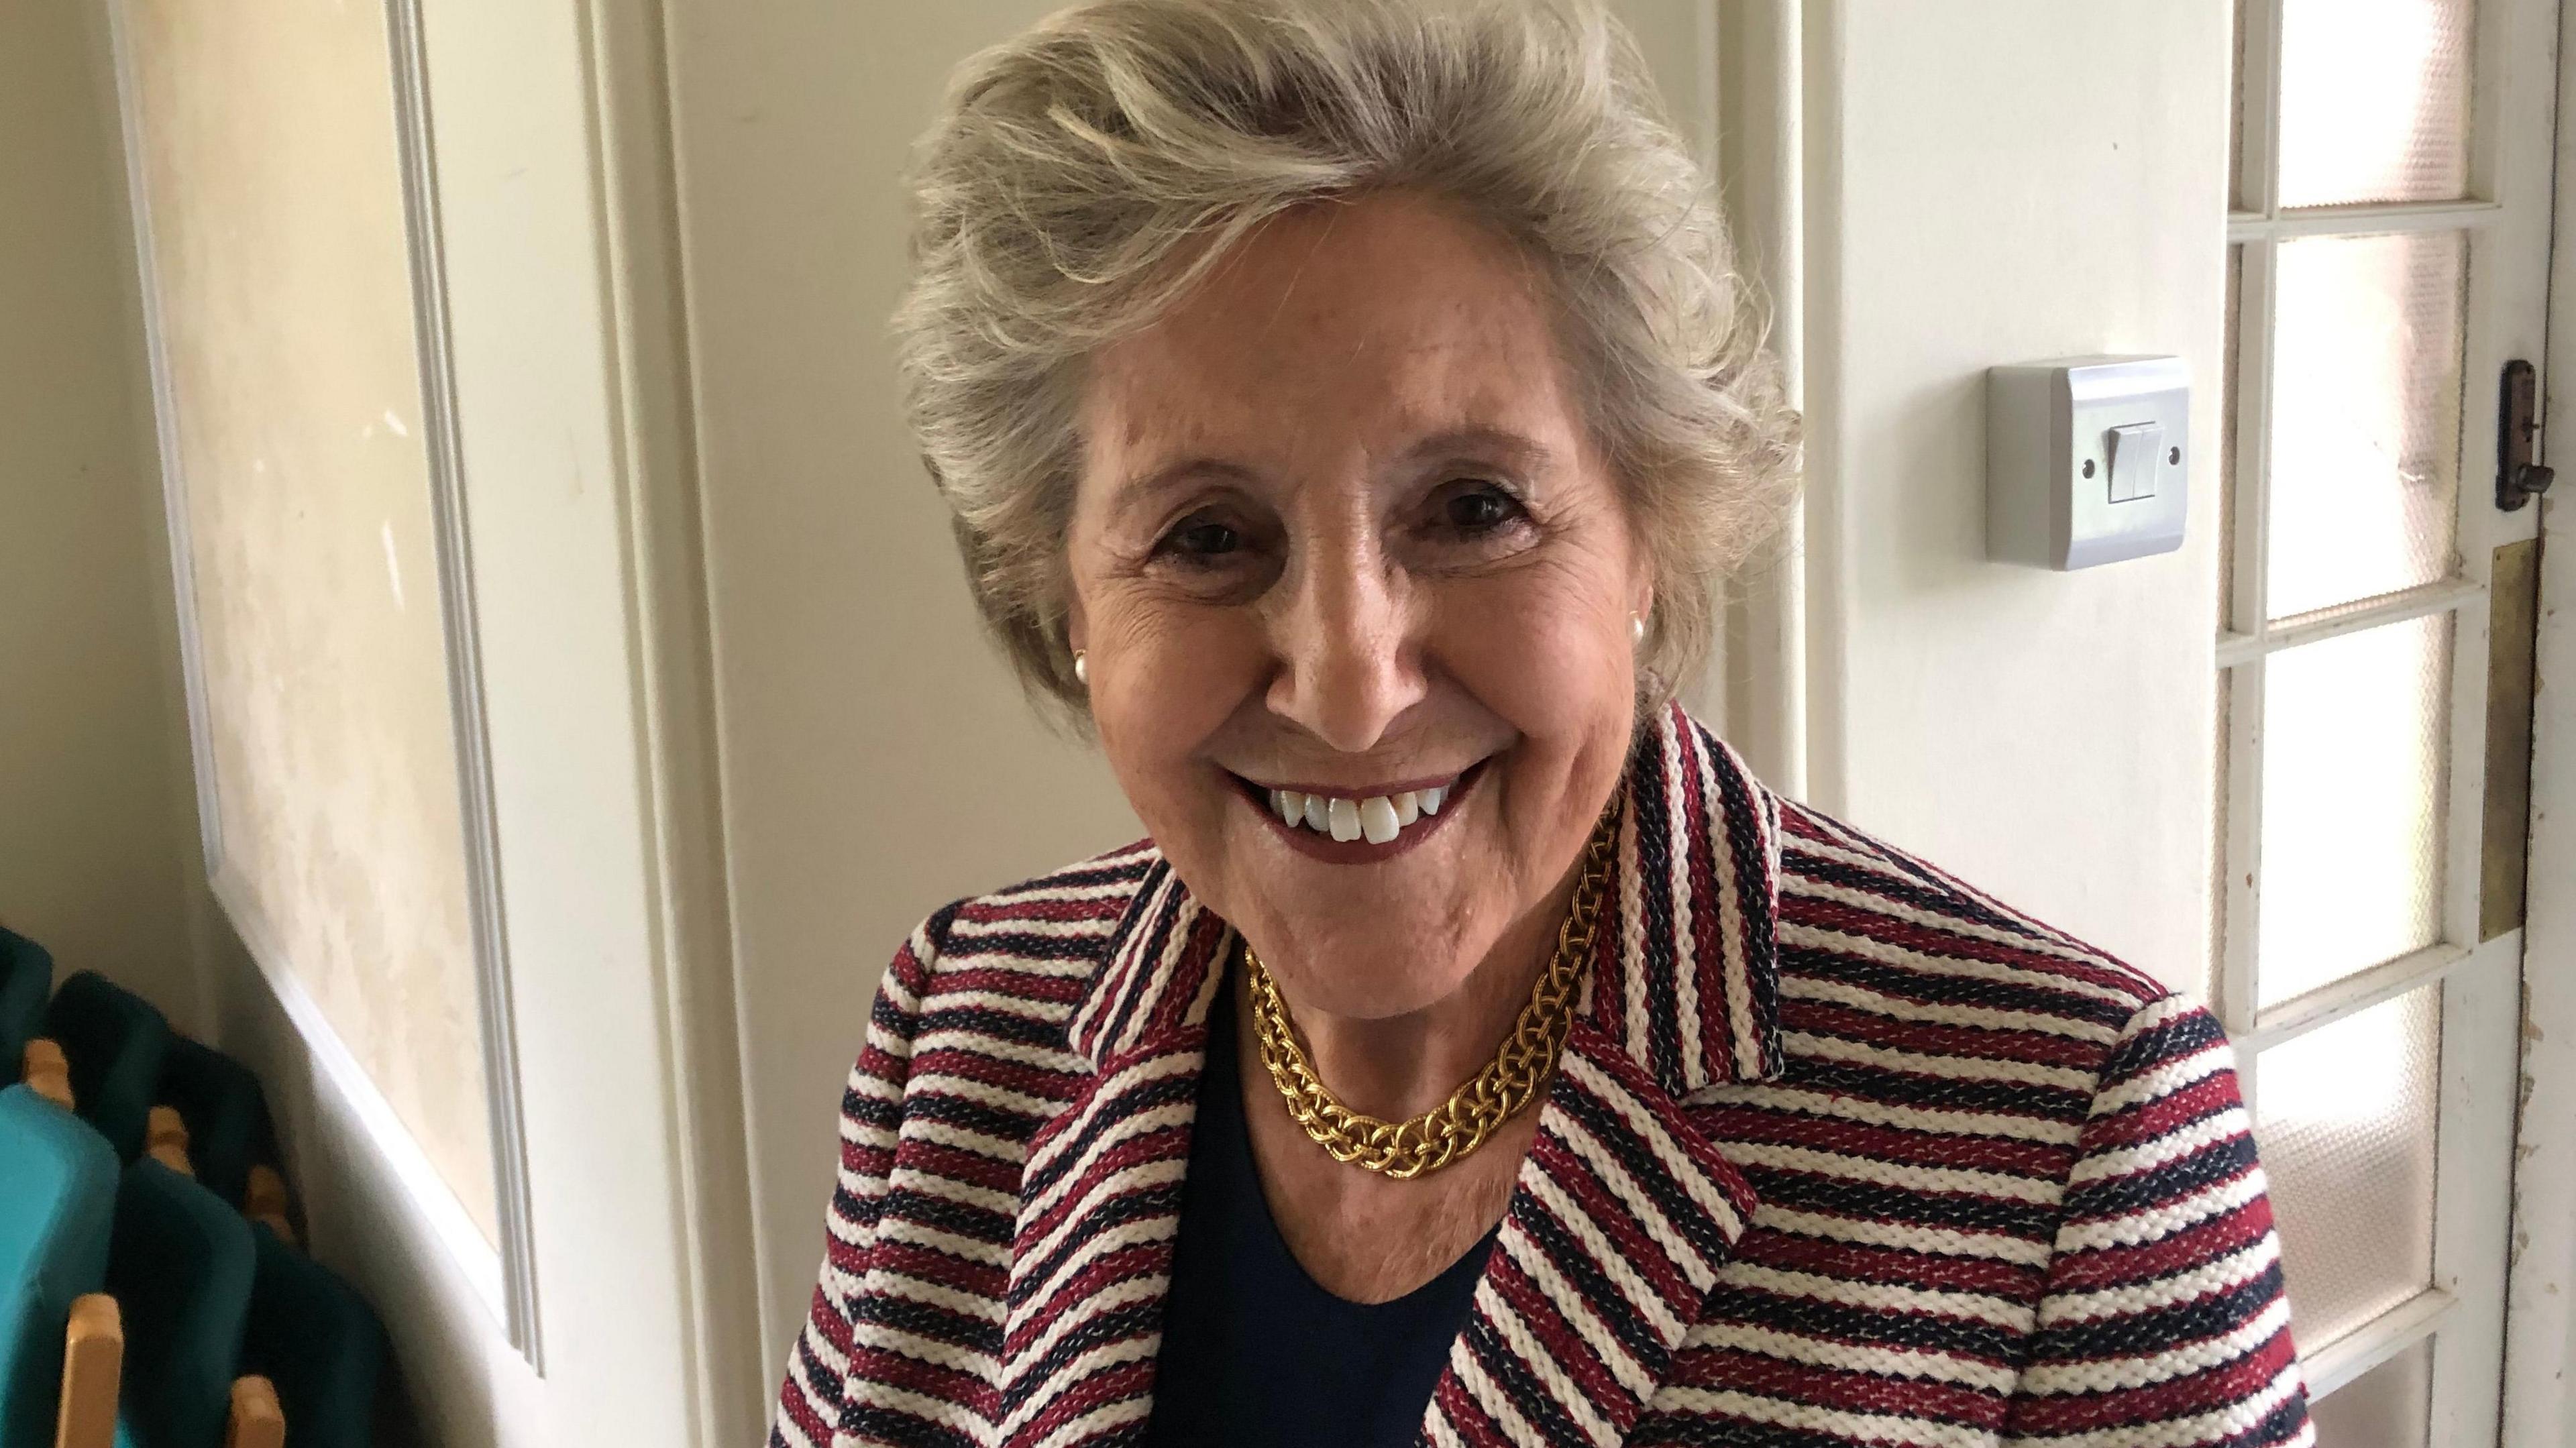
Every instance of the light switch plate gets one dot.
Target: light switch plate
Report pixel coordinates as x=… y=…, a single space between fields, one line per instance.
x=2088 y=460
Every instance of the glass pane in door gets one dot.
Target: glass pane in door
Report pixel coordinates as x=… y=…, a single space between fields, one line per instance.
x=2365 y=417
x=2387 y=1407
x=2375 y=100
x=2344 y=1116
x=2354 y=779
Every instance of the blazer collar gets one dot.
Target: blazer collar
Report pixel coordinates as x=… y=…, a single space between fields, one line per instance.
x=1686 y=984
x=1622 y=1213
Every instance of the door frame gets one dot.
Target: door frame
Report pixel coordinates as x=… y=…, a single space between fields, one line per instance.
x=2540 y=1322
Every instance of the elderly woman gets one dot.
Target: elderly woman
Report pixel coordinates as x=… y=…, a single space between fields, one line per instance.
x=1349 y=408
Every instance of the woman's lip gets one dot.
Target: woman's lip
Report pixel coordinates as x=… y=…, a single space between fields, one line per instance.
x=1361 y=791
x=1325 y=848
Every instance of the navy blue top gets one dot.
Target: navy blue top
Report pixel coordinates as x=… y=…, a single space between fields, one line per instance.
x=1254 y=1352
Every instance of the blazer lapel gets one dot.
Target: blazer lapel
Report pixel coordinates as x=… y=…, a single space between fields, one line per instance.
x=1624 y=1212
x=1618 y=1223
x=1100 y=1196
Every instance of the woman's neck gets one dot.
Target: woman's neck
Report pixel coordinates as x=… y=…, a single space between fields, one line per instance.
x=1393 y=1067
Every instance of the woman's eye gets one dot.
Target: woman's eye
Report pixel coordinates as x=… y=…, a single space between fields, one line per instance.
x=1202 y=540
x=1477 y=511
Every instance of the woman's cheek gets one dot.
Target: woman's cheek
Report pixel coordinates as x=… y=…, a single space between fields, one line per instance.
x=1169 y=677
x=1542 y=657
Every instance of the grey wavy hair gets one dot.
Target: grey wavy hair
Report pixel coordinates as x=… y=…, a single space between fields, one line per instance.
x=1083 y=175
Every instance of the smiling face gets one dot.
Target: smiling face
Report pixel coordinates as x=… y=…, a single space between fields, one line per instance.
x=1342 y=535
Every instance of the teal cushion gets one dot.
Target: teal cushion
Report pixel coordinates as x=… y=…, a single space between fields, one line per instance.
x=181 y=1267
x=316 y=1339
x=55 y=1218
x=227 y=1117
x=115 y=1042
x=26 y=978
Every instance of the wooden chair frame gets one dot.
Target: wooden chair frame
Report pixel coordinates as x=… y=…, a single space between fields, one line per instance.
x=94 y=1339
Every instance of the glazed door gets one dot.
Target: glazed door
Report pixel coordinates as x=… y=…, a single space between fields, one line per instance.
x=2388 y=256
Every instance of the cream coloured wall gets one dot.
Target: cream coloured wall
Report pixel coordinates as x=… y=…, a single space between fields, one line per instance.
x=97 y=821
x=878 y=761
x=1998 y=181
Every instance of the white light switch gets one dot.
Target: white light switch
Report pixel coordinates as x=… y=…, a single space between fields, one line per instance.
x=2086 y=460
x=2134 y=452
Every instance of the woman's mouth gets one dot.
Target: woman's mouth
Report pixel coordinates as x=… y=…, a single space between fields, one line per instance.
x=1351 y=826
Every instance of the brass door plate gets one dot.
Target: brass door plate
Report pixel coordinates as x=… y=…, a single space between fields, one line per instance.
x=2513 y=636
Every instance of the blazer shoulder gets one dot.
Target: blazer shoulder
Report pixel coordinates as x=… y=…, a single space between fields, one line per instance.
x=1837 y=878
x=1040 y=935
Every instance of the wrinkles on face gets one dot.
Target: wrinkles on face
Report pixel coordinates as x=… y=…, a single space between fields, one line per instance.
x=1340 y=527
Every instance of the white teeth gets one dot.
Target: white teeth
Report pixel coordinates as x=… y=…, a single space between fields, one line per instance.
x=1377 y=819
x=1344 y=818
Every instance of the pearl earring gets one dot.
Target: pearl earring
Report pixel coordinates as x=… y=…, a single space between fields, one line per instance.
x=1637 y=627
x=1082 y=668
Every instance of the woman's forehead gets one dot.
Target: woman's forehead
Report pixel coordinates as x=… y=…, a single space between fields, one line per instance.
x=1383 y=274
x=1386 y=324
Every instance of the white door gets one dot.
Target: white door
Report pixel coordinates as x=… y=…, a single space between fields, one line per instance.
x=2388 y=257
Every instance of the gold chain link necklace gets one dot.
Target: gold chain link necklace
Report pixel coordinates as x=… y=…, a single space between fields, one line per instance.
x=1449 y=1131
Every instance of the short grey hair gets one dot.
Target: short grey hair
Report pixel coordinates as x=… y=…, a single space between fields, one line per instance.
x=1083 y=175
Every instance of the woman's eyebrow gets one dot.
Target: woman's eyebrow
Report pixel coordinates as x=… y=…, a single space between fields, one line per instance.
x=1141 y=490
x=1518 y=450
x=1144 y=488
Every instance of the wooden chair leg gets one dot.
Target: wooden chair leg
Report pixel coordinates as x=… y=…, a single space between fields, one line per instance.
x=93 y=1363
x=48 y=1073
x=264 y=1202
x=256 y=1420
x=165 y=1140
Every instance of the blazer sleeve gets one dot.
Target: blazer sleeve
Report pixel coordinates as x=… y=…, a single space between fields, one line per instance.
x=2163 y=1319
x=810 y=1399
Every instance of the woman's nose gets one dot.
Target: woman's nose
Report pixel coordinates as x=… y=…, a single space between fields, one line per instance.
x=1349 y=664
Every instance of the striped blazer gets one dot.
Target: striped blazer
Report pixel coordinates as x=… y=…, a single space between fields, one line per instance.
x=1839 y=1151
